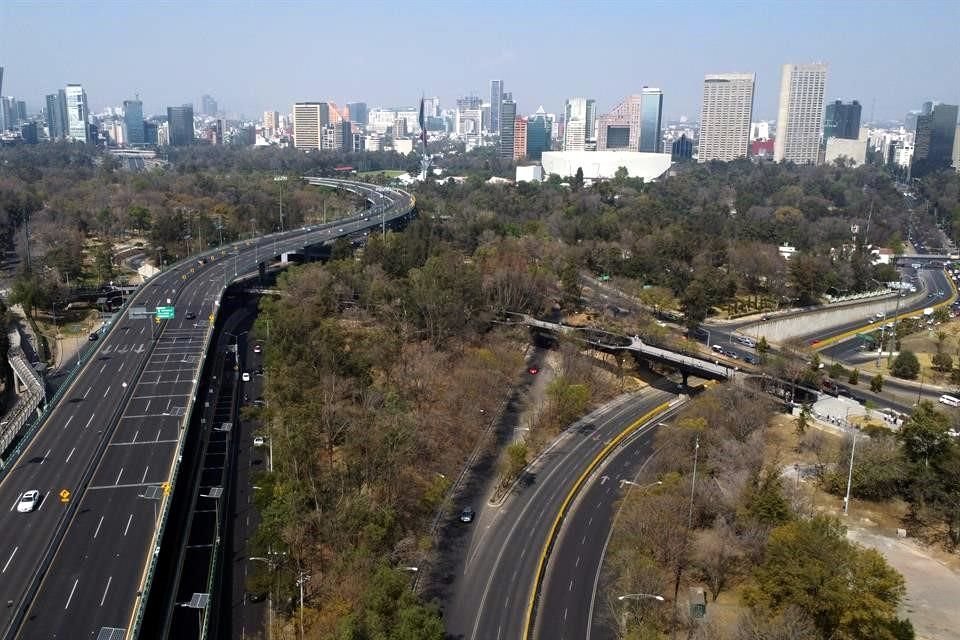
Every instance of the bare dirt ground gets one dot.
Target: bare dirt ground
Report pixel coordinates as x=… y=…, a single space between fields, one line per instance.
x=932 y=575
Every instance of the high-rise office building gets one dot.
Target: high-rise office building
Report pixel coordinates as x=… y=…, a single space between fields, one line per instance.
x=681 y=149
x=52 y=115
x=508 y=123
x=271 y=122
x=799 y=115
x=651 y=112
x=496 y=99
x=619 y=129
x=469 y=116
x=307 y=125
x=520 y=138
x=956 y=149
x=208 y=106
x=431 y=107
x=133 y=121
x=841 y=121
x=579 y=117
x=28 y=131
x=725 y=115
x=358 y=112
x=933 y=144
x=77 y=125
x=539 y=131
x=180 y=126
x=150 y=133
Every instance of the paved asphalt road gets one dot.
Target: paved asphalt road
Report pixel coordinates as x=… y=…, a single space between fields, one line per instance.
x=571 y=583
x=114 y=434
x=492 y=588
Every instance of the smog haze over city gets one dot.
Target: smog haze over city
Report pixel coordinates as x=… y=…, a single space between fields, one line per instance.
x=261 y=55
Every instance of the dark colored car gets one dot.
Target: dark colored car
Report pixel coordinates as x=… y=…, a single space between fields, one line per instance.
x=467 y=514
x=94 y=336
x=190 y=315
x=533 y=370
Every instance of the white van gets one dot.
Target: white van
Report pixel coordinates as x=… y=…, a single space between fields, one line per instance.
x=950 y=401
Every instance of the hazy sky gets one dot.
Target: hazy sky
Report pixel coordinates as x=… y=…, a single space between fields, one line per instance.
x=253 y=56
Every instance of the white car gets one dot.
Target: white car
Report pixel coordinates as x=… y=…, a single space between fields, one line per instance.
x=28 y=501
x=258 y=441
x=246 y=376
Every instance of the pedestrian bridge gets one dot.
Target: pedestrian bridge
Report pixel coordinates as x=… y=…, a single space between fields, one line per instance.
x=613 y=342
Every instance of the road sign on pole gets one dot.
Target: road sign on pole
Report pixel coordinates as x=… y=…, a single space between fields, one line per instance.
x=165 y=313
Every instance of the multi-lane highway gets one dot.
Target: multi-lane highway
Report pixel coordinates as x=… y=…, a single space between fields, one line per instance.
x=72 y=568
x=493 y=584
x=571 y=606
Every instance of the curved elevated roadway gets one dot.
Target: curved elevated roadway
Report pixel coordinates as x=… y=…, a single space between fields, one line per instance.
x=77 y=569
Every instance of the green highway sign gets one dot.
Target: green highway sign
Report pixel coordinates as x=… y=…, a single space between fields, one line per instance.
x=165 y=313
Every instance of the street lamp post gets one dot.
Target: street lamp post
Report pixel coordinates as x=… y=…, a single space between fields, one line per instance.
x=301 y=578
x=635 y=596
x=281 y=180
x=846 y=499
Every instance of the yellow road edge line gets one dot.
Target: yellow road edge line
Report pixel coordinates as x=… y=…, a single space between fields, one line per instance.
x=840 y=337
x=574 y=490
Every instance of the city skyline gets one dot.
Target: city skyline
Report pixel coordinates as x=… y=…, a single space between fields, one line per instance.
x=227 y=62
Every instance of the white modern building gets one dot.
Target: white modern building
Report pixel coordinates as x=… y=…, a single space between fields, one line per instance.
x=855 y=150
x=579 y=114
x=725 y=115
x=531 y=173
x=574 y=135
x=956 y=150
x=603 y=165
x=78 y=112
x=800 y=113
x=760 y=130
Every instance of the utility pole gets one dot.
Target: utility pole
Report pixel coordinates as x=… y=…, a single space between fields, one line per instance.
x=678 y=571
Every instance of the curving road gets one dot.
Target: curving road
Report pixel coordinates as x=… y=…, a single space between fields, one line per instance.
x=492 y=588
x=70 y=569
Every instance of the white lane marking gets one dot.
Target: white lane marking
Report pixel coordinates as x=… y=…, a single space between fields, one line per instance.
x=46 y=455
x=70 y=455
x=120 y=368
x=570 y=588
x=107 y=391
x=144 y=478
x=99 y=524
x=15 y=502
x=148 y=405
x=127 y=528
x=89 y=389
x=67 y=606
x=118 y=476
x=105 y=590
x=10 y=559
x=135 y=436
x=67 y=423
x=157 y=439
x=89 y=421
x=104 y=366
x=43 y=500
x=577 y=564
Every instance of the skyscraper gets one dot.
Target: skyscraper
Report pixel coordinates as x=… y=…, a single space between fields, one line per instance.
x=841 y=121
x=54 y=123
x=496 y=99
x=469 y=117
x=956 y=149
x=133 y=121
x=619 y=130
x=208 y=106
x=933 y=144
x=651 y=111
x=307 y=125
x=799 y=113
x=271 y=122
x=578 y=123
x=725 y=116
x=508 y=117
x=681 y=149
x=538 y=134
x=180 y=125
x=358 y=112
x=75 y=101
x=520 y=138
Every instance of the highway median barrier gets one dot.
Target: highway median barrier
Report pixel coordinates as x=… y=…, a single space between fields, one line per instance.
x=568 y=500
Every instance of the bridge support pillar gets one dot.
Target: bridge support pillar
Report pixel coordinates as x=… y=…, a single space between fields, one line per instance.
x=686 y=376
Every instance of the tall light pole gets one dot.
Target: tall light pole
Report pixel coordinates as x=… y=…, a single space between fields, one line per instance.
x=635 y=596
x=301 y=578
x=281 y=180
x=846 y=499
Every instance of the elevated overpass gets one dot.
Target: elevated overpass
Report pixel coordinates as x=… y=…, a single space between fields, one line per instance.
x=105 y=455
x=613 y=342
